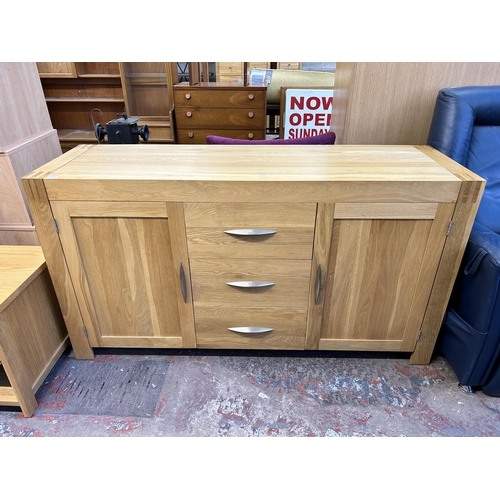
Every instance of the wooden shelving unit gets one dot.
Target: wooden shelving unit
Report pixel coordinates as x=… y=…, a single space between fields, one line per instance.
x=81 y=94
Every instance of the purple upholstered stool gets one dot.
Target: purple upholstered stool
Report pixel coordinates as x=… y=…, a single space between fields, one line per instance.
x=326 y=138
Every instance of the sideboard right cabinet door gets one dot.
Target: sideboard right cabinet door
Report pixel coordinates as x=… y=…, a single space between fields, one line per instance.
x=382 y=263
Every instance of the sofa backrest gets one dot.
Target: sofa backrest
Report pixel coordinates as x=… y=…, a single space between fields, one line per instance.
x=466 y=127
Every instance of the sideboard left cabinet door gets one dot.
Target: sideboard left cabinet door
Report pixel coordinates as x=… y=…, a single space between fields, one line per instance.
x=129 y=268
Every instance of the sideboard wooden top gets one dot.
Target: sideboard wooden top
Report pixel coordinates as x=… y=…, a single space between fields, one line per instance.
x=293 y=173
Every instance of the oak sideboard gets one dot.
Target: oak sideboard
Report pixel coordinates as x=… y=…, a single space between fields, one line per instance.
x=253 y=247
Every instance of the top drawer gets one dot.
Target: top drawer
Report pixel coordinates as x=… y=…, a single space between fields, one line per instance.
x=250 y=230
x=220 y=98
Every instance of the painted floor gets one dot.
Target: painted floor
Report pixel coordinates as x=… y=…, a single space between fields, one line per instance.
x=214 y=394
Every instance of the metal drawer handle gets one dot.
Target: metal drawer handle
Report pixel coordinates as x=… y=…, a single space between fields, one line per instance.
x=250 y=232
x=250 y=329
x=250 y=284
x=183 y=283
x=318 y=285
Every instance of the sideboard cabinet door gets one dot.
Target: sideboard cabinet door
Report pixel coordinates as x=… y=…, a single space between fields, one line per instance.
x=129 y=268
x=382 y=263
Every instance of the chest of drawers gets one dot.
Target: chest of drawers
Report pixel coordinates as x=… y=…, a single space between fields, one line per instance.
x=254 y=247
x=227 y=109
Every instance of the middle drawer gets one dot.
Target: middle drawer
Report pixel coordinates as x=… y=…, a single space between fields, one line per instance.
x=250 y=230
x=200 y=117
x=250 y=282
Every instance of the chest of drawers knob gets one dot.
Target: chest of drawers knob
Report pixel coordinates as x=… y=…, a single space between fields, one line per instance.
x=187 y=96
x=251 y=96
x=189 y=114
x=250 y=135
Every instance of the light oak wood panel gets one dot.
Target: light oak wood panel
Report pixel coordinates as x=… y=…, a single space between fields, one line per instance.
x=238 y=215
x=374 y=270
x=393 y=102
x=319 y=267
x=137 y=248
x=288 y=243
x=201 y=174
x=57 y=69
x=18 y=161
x=288 y=328
x=293 y=223
x=22 y=104
x=125 y=266
x=210 y=278
x=463 y=219
x=8 y=397
x=42 y=216
x=149 y=259
x=385 y=210
x=32 y=330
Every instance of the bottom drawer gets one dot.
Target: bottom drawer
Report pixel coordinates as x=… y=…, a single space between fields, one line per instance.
x=199 y=136
x=270 y=328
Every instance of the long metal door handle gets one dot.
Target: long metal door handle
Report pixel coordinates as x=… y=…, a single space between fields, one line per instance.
x=250 y=232
x=183 y=283
x=318 y=285
x=250 y=329
x=250 y=284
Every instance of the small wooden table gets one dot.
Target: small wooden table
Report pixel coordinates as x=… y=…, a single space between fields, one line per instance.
x=32 y=331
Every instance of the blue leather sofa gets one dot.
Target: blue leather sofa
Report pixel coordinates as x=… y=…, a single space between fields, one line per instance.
x=466 y=127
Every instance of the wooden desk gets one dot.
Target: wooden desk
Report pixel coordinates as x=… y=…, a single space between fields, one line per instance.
x=254 y=247
x=32 y=331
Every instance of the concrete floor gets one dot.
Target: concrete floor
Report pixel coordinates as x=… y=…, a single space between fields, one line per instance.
x=240 y=394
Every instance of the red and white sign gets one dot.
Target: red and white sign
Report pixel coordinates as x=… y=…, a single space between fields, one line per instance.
x=307 y=112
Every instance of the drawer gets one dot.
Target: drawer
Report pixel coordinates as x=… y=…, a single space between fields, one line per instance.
x=250 y=282
x=291 y=228
x=281 y=328
x=203 y=117
x=194 y=135
x=220 y=98
x=232 y=68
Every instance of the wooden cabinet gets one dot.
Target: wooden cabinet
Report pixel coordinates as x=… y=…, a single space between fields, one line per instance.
x=382 y=262
x=276 y=247
x=82 y=94
x=147 y=88
x=231 y=110
x=128 y=258
x=27 y=141
x=32 y=331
